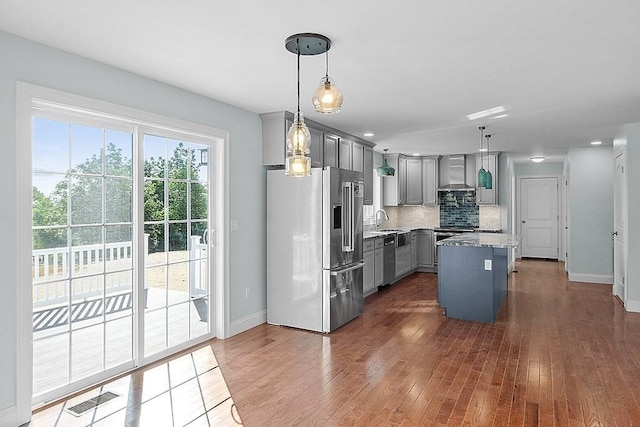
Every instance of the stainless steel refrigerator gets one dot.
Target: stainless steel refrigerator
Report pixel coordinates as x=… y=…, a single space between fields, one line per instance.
x=314 y=249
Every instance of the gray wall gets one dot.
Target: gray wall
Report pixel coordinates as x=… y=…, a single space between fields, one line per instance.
x=543 y=168
x=26 y=61
x=629 y=136
x=590 y=211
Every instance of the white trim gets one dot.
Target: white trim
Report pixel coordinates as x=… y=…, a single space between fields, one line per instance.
x=28 y=96
x=591 y=278
x=9 y=417
x=248 y=322
x=632 y=305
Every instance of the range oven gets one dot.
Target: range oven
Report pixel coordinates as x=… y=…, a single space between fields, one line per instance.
x=444 y=233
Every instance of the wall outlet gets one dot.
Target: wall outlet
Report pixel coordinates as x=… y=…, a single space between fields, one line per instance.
x=487 y=264
x=247 y=293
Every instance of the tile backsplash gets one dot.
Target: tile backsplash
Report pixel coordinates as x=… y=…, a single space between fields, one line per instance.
x=429 y=217
x=458 y=209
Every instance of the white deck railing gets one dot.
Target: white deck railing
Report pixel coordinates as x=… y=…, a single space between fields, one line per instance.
x=50 y=269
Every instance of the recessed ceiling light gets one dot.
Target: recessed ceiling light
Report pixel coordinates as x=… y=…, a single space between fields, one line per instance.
x=369 y=134
x=486 y=113
x=596 y=143
x=415 y=154
x=537 y=159
x=483 y=149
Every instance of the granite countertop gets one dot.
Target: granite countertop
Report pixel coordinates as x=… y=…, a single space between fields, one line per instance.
x=492 y=240
x=383 y=232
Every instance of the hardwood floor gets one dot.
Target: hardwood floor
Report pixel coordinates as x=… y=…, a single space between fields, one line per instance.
x=560 y=354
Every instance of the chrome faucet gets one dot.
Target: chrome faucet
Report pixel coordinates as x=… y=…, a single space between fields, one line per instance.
x=375 y=216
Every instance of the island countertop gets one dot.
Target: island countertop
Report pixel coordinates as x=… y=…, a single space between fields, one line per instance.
x=491 y=240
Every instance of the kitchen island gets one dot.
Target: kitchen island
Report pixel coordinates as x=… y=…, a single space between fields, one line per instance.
x=472 y=274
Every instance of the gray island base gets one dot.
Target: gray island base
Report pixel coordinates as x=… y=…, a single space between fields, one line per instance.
x=472 y=274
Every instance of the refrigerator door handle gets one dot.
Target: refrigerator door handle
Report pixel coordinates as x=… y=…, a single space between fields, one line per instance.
x=349 y=268
x=347 y=217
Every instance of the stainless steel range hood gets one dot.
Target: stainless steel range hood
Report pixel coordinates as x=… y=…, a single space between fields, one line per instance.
x=453 y=174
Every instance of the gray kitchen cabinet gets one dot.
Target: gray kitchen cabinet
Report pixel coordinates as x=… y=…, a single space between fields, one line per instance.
x=274 y=139
x=331 y=145
x=394 y=188
x=414 y=181
x=367 y=170
x=403 y=260
x=379 y=262
x=425 y=250
x=430 y=181
x=414 y=250
x=487 y=196
x=369 y=266
x=345 y=154
x=357 y=157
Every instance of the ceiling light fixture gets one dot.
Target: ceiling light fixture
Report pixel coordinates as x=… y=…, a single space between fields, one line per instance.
x=486 y=113
x=298 y=161
x=482 y=174
x=368 y=134
x=501 y=116
x=327 y=98
x=538 y=159
x=596 y=143
x=385 y=170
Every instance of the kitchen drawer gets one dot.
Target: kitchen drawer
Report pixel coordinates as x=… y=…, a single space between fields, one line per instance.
x=369 y=244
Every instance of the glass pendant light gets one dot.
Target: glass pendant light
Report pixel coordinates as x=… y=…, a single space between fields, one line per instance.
x=385 y=170
x=482 y=174
x=488 y=181
x=327 y=98
x=298 y=161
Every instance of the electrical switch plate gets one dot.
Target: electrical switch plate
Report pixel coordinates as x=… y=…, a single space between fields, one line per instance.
x=487 y=264
x=234 y=225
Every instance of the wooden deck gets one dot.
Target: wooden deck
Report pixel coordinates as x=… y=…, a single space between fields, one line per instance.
x=52 y=351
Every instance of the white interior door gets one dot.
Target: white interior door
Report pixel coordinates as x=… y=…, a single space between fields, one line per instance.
x=619 y=255
x=539 y=217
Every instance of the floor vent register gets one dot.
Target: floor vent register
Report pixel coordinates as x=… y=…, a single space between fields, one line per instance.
x=82 y=407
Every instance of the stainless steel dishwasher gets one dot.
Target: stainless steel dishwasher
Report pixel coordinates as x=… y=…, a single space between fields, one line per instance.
x=389 y=255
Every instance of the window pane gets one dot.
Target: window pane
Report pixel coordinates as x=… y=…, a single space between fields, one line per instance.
x=86 y=149
x=199 y=201
x=155 y=280
x=87 y=347
x=50 y=145
x=177 y=242
x=49 y=199
x=50 y=238
x=156 y=246
x=119 y=200
x=119 y=153
x=86 y=200
x=179 y=156
x=177 y=200
x=155 y=154
x=200 y=168
x=119 y=248
x=154 y=200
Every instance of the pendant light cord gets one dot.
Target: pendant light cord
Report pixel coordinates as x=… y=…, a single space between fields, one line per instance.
x=326 y=70
x=298 y=49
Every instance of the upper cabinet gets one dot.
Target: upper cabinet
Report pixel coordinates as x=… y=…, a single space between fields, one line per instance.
x=329 y=147
x=368 y=175
x=430 y=180
x=414 y=181
x=394 y=188
x=486 y=196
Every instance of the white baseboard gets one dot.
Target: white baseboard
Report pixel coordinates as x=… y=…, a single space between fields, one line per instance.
x=633 y=306
x=617 y=290
x=9 y=417
x=247 y=322
x=591 y=278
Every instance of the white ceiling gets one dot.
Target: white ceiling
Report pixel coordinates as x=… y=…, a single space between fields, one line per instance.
x=568 y=72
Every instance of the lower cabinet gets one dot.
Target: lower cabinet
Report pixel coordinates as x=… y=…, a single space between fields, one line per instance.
x=414 y=250
x=379 y=262
x=369 y=284
x=425 y=250
x=403 y=260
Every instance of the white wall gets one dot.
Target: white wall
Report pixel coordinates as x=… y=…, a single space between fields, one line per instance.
x=26 y=61
x=590 y=214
